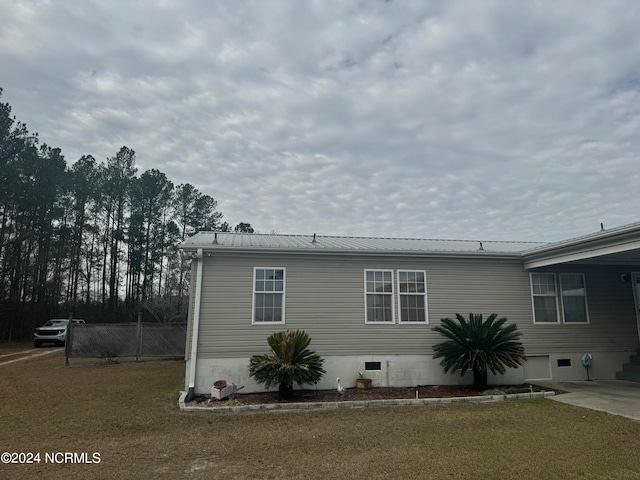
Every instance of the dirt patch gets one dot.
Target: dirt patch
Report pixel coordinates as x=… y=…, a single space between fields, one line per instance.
x=361 y=394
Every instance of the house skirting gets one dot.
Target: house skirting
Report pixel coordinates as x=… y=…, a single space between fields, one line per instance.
x=414 y=370
x=562 y=367
x=395 y=371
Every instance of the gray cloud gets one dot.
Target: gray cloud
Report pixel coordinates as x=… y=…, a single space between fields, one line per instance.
x=457 y=119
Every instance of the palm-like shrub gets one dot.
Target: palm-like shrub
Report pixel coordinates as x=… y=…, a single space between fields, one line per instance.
x=479 y=346
x=288 y=362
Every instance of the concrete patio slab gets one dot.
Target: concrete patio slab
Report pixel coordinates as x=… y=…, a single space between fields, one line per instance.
x=612 y=396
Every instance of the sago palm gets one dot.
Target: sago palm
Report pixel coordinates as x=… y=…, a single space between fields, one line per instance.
x=479 y=346
x=288 y=362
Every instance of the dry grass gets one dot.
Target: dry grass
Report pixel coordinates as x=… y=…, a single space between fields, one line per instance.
x=127 y=413
x=9 y=348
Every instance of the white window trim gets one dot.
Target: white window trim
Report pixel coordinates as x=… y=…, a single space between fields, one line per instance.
x=557 y=277
x=533 y=303
x=424 y=295
x=586 y=303
x=391 y=294
x=253 y=295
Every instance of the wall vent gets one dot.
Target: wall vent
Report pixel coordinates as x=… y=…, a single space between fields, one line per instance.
x=372 y=366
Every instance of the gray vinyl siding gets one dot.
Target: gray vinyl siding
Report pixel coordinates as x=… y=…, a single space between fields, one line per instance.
x=612 y=319
x=325 y=297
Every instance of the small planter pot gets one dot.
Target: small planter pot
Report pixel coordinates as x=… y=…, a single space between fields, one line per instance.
x=363 y=383
x=219 y=384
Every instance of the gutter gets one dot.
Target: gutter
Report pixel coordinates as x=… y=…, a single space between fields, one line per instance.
x=196 y=327
x=619 y=240
x=367 y=253
x=623 y=233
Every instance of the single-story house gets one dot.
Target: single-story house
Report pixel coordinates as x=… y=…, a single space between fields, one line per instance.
x=370 y=304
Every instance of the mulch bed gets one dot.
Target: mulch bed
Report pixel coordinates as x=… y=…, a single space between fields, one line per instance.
x=356 y=394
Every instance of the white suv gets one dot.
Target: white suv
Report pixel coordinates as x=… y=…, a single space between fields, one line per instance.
x=54 y=331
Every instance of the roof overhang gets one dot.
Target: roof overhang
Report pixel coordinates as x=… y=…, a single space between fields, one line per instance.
x=211 y=250
x=617 y=246
x=213 y=243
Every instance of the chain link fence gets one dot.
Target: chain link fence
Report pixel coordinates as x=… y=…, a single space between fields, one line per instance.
x=111 y=340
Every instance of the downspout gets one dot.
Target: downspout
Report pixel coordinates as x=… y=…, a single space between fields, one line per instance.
x=195 y=329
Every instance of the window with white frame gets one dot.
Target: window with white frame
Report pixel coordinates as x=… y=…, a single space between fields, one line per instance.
x=565 y=293
x=574 y=298
x=379 y=296
x=268 y=295
x=412 y=296
x=544 y=292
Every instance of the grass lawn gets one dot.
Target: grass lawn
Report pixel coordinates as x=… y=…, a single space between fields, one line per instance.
x=9 y=348
x=127 y=413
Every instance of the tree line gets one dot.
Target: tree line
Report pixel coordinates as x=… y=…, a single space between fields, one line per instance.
x=95 y=240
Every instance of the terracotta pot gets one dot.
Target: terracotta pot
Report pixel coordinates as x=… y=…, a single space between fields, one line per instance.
x=219 y=384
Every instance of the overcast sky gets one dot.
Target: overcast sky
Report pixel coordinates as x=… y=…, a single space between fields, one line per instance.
x=494 y=120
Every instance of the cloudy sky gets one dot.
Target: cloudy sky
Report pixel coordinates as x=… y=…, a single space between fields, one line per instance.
x=494 y=120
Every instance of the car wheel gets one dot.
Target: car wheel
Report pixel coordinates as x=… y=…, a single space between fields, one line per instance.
x=37 y=344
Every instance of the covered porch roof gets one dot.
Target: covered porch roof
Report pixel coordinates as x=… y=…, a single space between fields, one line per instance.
x=616 y=246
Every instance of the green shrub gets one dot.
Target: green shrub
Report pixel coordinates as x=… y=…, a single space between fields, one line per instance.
x=288 y=362
x=479 y=346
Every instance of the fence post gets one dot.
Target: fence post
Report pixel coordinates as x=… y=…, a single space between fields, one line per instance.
x=139 y=336
x=68 y=340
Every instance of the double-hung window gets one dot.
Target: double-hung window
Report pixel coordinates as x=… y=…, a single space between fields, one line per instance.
x=379 y=296
x=268 y=295
x=565 y=292
x=574 y=298
x=412 y=296
x=545 y=304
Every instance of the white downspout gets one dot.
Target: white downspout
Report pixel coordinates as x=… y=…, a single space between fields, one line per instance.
x=196 y=328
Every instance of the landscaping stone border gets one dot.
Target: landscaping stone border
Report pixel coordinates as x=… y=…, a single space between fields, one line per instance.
x=283 y=407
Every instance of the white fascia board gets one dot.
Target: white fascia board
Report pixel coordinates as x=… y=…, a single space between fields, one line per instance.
x=213 y=250
x=574 y=253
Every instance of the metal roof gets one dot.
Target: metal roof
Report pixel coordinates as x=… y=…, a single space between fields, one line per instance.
x=631 y=228
x=616 y=245
x=331 y=244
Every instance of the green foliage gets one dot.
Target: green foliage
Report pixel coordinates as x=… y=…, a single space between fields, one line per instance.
x=95 y=238
x=288 y=362
x=194 y=211
x=243 y=227
x=479 y=346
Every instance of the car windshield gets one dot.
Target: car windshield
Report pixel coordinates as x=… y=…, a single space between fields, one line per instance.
x=55 y=323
